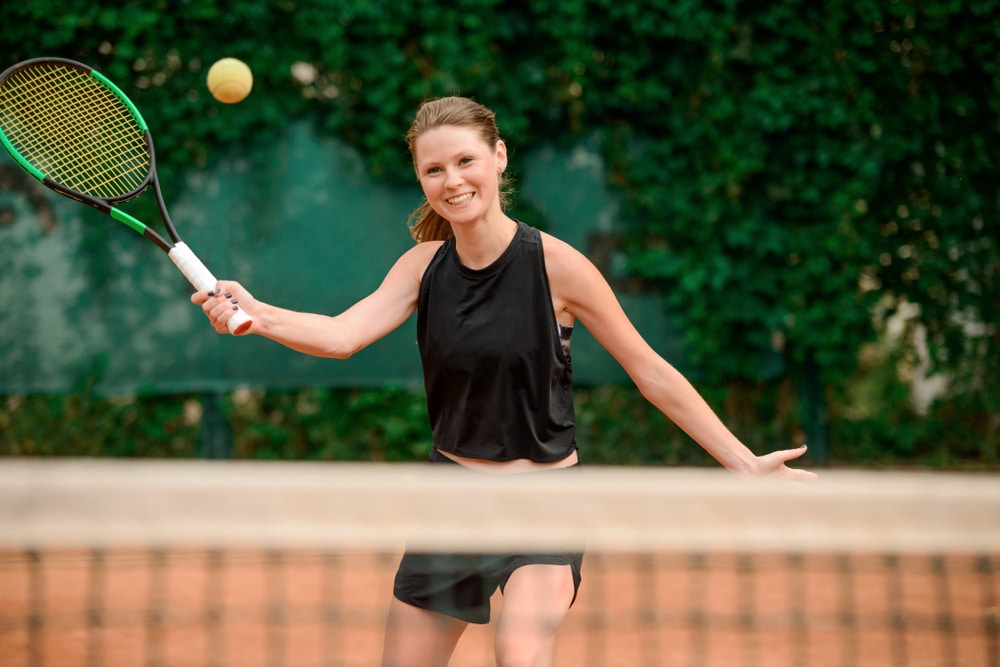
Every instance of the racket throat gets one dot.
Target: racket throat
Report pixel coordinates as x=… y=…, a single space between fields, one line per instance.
x=168 y=224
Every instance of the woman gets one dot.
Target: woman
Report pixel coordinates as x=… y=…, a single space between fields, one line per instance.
x=496 y=302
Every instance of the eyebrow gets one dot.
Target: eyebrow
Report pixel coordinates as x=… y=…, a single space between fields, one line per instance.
x=455 y=156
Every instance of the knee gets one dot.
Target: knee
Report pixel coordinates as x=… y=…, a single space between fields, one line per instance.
x=518 y=660
x=523 y=654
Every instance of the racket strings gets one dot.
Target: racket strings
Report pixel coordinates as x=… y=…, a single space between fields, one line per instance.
x=74 y=130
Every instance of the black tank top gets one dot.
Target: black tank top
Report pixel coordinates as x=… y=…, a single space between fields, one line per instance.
x=497 y=375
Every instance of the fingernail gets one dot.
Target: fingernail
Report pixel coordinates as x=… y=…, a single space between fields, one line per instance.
x=802 y=446
x=235 y=301
x=236 y=307
x=229 y=296
x=212 y=293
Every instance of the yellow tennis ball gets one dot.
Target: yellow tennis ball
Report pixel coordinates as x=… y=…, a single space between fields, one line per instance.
x=229 y=80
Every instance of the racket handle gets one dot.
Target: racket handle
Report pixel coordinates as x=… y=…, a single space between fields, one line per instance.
x=202 y=279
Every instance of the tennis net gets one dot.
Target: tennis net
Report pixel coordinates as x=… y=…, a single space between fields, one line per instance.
x=112 y=563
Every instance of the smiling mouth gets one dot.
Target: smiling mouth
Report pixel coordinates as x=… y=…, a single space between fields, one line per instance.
x=461 y=199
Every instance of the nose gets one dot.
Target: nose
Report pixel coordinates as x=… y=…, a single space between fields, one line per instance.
x=453 y=179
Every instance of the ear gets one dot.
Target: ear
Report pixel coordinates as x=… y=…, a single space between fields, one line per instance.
x=501 y=154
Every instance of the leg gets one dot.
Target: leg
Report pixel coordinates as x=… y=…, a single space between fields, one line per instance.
x=535 y=601
x=416 y=637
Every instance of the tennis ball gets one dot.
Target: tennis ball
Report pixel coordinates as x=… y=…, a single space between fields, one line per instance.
x=229 y=80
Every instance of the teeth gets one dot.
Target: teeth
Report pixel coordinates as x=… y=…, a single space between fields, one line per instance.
x=461 y=199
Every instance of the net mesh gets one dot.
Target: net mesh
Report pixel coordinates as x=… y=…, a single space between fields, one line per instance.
x=74 y=130
x=127 y=563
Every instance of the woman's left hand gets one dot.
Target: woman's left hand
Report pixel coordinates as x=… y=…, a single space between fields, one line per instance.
x=773 y=465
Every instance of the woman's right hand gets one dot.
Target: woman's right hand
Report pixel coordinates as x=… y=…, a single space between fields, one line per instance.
x=223 y=302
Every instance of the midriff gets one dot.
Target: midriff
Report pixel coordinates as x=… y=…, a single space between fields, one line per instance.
x=515 y=466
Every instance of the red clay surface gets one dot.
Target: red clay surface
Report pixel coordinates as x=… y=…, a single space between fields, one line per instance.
x=309 y=609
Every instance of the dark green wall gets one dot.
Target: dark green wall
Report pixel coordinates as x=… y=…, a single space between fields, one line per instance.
x=87 y=300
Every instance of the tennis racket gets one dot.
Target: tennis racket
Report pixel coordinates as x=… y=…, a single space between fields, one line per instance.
x=75 y=131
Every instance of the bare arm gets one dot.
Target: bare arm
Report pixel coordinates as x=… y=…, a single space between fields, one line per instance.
x=579 y=289
x=337 y=336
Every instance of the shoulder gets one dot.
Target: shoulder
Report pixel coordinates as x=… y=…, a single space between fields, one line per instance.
x=422 y=253
x=576 y=284
x=563 y=260
x=425 y=249
x=414 y=262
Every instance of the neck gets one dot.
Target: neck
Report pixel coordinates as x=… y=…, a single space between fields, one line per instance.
x=480 y=244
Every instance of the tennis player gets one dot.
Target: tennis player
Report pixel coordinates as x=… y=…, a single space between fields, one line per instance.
x=496 y=303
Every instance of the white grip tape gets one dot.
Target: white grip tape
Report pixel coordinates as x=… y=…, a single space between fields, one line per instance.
x=198 y=275
x=192 y=267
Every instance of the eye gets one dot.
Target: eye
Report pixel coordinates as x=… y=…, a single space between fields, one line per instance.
x=466 y=160
x=432 y=170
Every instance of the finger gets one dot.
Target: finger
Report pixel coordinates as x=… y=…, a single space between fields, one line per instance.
x=787 y=455
x=790 y=454
x=202 y=297
x=208 y=306
x=226 y=288
x=222 y=310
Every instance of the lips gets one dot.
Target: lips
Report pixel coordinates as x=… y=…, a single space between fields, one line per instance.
x=460 y=199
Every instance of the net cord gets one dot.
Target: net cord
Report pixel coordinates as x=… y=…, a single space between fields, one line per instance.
x=93 y=503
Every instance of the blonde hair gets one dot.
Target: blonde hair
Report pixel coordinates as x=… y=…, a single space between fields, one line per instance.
x=425 y=223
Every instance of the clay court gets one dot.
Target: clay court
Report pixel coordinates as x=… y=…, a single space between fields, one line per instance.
x=131 y=608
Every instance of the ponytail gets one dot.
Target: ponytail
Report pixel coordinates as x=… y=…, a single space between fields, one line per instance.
x=426 y=224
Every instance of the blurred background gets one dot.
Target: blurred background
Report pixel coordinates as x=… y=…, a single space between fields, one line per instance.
x=796 y=202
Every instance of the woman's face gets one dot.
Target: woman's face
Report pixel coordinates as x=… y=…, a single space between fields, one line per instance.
x=460 y=173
